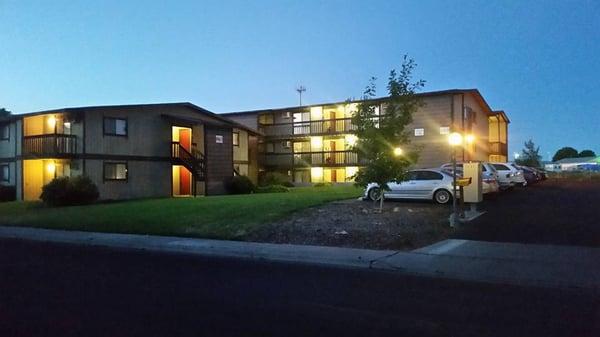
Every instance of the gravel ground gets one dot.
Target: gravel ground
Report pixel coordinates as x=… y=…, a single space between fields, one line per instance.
x=356 y=223
x=559 y=212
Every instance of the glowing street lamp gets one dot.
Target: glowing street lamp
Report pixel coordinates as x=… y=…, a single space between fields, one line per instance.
x=469 y=139
x=398 y=151
x=455 y=139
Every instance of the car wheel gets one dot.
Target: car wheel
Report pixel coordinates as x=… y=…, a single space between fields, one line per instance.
x=374 y=193
x=442 y=197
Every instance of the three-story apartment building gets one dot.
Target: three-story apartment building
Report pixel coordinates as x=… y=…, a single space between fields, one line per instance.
x=313 y=143
x=129 y=151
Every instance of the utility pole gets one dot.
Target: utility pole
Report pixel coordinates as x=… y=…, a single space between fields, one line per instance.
x=300 y=89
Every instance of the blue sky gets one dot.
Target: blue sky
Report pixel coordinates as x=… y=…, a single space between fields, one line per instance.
x=539 y=61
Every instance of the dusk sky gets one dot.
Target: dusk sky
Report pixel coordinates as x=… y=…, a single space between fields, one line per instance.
x=539 y=61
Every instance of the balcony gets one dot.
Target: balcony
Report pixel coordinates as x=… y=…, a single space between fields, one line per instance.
x=498 y=148
x=307 y=159
x=51 y=145
x=320 y=127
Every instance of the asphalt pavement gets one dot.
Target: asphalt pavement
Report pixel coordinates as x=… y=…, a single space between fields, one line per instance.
x=53 y=289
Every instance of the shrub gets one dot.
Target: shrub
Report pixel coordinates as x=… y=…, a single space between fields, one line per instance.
x=66 y=191
x=272 y=189
x=288 y=184
x=240 y=185
x=322 y=184
x=273 y=178
x=8 y=193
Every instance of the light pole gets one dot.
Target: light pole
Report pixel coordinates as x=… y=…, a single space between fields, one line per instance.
x=454 y=139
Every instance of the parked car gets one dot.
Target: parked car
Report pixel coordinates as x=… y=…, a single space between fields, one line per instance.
x=509 y=176
x=489 y=184
x=429 y=184
x=531 y=175
x=489 y=176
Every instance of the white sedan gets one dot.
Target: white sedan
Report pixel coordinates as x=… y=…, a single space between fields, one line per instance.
x=428 y=184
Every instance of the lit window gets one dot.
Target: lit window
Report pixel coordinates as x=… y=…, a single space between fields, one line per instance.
x=287 y=144
x=115 y=171
x=236 y=139
x=419 y=132
x=115 y=126
x=4 y=173
x=444 y=130
x=4 y=132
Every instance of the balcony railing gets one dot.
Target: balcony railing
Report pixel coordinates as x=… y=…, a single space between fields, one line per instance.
x=50 y=145
x=322 y=158
x=320 y=127
x=498 y=148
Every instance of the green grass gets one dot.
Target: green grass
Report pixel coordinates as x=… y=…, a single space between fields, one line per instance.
x=220 y=217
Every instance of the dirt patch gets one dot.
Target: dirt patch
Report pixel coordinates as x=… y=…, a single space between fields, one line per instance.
x=356 y=223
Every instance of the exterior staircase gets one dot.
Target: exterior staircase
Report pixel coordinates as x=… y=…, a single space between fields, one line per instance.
x=195 y=163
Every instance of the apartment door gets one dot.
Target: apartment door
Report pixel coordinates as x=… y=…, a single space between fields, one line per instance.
x=330 y=157
x=185 y=138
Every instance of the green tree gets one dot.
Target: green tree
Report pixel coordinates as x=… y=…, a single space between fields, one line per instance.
x=565 y=152
x=587 y=153
x=4 y=112
x=530 y=155
x=380 y=135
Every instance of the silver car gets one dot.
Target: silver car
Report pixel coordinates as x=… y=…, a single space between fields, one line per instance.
x=428 y=184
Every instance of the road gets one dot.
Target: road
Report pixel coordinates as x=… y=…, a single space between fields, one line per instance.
x=62 y=290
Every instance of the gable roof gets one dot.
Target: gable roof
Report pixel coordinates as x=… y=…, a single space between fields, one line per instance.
x=189 y=105
x=472 y=91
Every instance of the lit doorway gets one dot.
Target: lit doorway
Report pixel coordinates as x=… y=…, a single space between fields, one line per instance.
x=181 y=176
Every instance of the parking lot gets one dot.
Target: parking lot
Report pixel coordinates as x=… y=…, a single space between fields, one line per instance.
x=556 y=211
x=559 y=212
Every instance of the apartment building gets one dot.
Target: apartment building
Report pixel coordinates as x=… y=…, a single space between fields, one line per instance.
x=129 y=151
x=312 y=143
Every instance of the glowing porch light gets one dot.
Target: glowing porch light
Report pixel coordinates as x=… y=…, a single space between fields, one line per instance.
x=51 y=122
x=398 y=151
x=469 y=139
x=51 y=167
x=351 y=140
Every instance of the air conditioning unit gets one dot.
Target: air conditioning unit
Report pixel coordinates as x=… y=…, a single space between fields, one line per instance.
x=287 y=114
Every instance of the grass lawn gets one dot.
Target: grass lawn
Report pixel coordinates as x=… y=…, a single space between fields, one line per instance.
x=220 y=217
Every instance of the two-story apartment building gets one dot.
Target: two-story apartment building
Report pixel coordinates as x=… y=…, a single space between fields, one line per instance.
x=129 y=151
x=312 y=143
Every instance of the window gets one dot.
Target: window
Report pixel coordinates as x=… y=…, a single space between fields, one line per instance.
x=4 y=172
x=265 y=119
x=270 y=148
x=286 y=144
x=4 y=131
x=219 y=139
x=115 y=171
x=429 y=175
x=444 y=130
x=236 y=139
x=115 y=126
x=419 y=132
x=500 y=167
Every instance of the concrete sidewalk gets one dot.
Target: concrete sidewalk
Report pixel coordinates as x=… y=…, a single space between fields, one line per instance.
x=500 y=263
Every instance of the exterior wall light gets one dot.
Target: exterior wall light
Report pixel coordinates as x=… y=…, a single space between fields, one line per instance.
x=398 y=151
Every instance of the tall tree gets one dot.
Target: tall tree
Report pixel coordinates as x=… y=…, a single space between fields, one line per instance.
x=565 y=152
x=587 y=153
x=4 y=112
x=530 y=155
x=382 y=139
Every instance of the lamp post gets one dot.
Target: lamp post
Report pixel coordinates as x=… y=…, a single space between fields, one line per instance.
x=454 y=139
